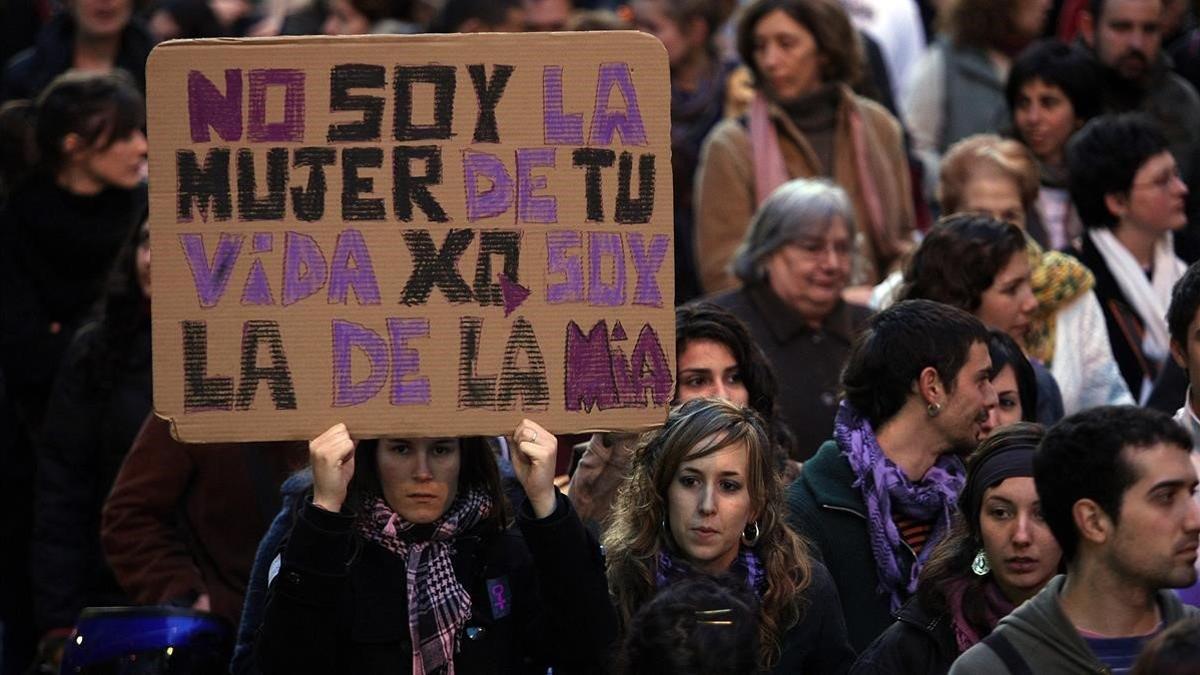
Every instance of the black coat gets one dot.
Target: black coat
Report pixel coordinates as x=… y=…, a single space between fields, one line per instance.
x=828 y=511
x=92 y=420
x=56 y=252
x=806 y=361
x=818 y=642
x=917 y=644
x=27 y=73
x=339 y=604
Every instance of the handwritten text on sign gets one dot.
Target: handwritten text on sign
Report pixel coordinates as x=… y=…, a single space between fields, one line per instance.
x=418 y=236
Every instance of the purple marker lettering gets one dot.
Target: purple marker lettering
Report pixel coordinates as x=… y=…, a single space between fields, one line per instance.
x=291 y=129
x=211 y=279
x=535 y=208
x=558 y=127
x=604 y=121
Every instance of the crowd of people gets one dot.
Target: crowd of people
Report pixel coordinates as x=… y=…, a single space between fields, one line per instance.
x=937 y=308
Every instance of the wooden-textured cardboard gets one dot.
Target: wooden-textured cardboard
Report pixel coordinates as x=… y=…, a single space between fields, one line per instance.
x=415 y=235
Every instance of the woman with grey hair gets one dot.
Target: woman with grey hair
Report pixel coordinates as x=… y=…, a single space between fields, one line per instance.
x=793 y=264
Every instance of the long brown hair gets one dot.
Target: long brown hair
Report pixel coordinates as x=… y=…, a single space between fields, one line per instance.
x=636 y=534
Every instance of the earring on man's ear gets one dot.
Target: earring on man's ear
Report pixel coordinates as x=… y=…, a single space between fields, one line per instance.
x=933 y=409
x=980 y=565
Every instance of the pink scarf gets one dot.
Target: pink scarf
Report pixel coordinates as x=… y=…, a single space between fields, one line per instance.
x=438 y=605
x=770 y=171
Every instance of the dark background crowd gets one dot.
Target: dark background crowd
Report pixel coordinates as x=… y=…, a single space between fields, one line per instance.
x=928 y=224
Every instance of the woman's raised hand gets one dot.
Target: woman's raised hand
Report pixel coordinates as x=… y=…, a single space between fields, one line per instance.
x=332 y=457
x=533 y=462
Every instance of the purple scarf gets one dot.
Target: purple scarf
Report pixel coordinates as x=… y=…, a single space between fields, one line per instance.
x=438 y=605
x=886 y=490
x=745 y=566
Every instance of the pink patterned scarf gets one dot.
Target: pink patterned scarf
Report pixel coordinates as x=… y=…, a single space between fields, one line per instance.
x=438 y=605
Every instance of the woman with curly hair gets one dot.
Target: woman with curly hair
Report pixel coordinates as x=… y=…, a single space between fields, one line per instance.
x=999 y=554
x=704 y=499
x=1065 y=333
x=1052 y=91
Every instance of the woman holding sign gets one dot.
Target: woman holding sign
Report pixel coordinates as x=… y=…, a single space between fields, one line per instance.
x=405 y=560
x=703 y=498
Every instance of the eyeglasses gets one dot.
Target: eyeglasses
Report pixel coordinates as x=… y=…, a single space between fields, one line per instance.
x=1163 y=181
x=818 y=248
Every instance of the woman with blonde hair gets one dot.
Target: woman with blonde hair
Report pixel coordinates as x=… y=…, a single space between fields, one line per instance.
x=703 y=498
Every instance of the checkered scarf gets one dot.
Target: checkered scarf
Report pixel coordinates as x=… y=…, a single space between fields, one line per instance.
x=438 y=605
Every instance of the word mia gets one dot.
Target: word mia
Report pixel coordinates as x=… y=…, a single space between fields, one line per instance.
x=599 y=373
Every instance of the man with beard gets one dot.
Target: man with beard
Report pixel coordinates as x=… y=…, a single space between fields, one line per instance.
x=1125 y=38
x=876 y=499
x=1116 y=485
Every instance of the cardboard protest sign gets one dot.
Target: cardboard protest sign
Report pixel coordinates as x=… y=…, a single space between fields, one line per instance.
x=416 y=235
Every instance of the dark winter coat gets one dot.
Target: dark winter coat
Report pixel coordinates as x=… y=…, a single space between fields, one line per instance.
x=339 y=604
x=918 y=643
x=27 y=73
x=184 y=519
x=818 y=642
x=91 y=422
x=56 y=252
x=829 y=512
x=807 y=361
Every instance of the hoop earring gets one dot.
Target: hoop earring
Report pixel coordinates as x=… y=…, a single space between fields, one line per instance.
x=980 y=565
x=933 y=409
x=751 y=541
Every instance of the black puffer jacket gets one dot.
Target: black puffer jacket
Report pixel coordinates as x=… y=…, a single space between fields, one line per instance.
x=339 y=604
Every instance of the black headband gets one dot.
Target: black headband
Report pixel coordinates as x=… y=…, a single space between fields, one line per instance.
x=1017 y=462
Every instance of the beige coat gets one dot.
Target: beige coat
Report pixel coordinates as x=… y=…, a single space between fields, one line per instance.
x=725 y=190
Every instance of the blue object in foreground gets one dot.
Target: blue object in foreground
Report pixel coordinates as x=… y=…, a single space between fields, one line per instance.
x=148 y=640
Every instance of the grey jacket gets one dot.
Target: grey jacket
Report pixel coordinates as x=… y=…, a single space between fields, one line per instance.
x=974 y=95
x=1041 y=633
